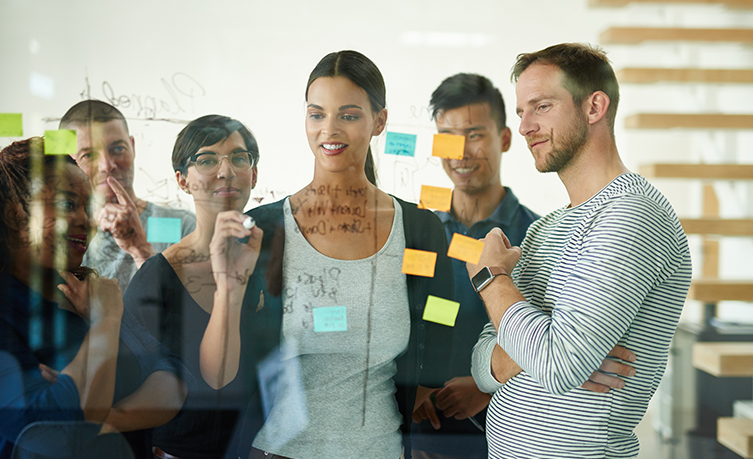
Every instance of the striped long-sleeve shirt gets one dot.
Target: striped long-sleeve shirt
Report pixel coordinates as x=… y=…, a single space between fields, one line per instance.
x=613 y=270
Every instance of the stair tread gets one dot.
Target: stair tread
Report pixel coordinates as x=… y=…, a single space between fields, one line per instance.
x=689 y=121
x=698 y=171
x=633 y=35
x=618 y=3
x=736 y=434
x=646 y=75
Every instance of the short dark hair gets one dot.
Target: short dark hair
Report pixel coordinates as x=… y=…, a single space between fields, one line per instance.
x=586 y=69
x=363 y=73
x=208 y=130
x=91 y=111
x=467 y=89
x=18 y=161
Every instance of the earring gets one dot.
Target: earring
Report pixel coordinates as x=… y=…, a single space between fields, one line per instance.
x=187 y=191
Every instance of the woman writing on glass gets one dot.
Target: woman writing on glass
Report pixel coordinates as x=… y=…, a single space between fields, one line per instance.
x=214 y=159
x=355 y=355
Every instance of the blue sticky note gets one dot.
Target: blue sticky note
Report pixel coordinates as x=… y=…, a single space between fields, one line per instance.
x=163 y=229
x=11 y=125
x=330 y=319
x=60 y=142
x=400 y=144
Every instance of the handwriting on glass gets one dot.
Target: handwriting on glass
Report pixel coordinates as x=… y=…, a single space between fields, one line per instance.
x=179 y=94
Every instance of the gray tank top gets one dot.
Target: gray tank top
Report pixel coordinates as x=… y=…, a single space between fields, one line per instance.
x=335 y=393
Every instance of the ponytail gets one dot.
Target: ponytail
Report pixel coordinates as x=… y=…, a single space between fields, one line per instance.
x=370 y=168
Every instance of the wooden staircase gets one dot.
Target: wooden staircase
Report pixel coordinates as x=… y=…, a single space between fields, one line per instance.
x=723 y=359
x=708 y=288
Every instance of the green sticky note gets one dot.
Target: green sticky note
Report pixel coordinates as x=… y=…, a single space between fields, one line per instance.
x=163 y=229
x=11 y=125
x=441 y=311
x=60 y=142
x=330 y=319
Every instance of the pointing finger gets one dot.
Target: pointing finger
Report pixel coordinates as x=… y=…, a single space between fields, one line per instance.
x=119 y=191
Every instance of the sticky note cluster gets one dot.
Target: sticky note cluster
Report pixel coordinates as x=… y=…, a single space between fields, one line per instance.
x=436 y=198
x=400 y=144
x=11 y=125
x=448 y=146
x=60 y=142
x=465 y=248
x=441 y=311
x=330 y=319
x=419 y=262
x=163 y=229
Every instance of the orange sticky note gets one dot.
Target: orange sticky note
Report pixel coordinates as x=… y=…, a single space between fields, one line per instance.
x=465 y=248
x=441 y=311
x=419 y=262
x=448 y=146
x=434 y=197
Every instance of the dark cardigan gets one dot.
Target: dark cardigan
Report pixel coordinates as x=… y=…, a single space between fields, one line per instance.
x=424 y=363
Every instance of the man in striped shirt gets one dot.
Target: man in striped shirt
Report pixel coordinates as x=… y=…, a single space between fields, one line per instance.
x=611 y=268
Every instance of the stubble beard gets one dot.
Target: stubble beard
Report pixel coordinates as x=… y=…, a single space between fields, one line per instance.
x=571 y=144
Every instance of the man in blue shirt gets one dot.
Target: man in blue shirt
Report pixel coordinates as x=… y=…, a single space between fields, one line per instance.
x=469 y=105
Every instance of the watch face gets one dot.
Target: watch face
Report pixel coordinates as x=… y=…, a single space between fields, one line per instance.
x=480 y=278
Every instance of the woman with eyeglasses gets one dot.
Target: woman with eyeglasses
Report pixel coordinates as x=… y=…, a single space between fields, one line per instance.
x=214 y=159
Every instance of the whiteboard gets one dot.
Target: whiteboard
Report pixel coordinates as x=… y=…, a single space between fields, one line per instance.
x=165 y=63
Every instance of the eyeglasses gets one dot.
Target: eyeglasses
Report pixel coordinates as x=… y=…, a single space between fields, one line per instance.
x=208 y=163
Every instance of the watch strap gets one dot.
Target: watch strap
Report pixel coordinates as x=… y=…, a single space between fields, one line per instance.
x=497 y=271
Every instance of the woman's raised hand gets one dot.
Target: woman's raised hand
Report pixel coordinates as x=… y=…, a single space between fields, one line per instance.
x=94 y=298
x=233 y=261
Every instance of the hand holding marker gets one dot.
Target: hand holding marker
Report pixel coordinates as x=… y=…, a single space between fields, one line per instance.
x=248 y=223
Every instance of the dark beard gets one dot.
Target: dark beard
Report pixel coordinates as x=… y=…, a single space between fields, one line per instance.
x=569 y=147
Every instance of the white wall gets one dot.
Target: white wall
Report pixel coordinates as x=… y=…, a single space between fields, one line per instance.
x=250 y=60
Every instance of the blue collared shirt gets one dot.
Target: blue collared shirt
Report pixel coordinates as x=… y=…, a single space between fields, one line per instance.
x=513 y=219
x=460 y=437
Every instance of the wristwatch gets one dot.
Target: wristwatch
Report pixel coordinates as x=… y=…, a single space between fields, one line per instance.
x=486 y=276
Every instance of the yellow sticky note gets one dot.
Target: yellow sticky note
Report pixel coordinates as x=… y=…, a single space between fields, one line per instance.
x=11 y=125
x=448 y=146
x=419 y=262
x=60 y=142
x=441 y=311
x=465 y=248
x=434 y=197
